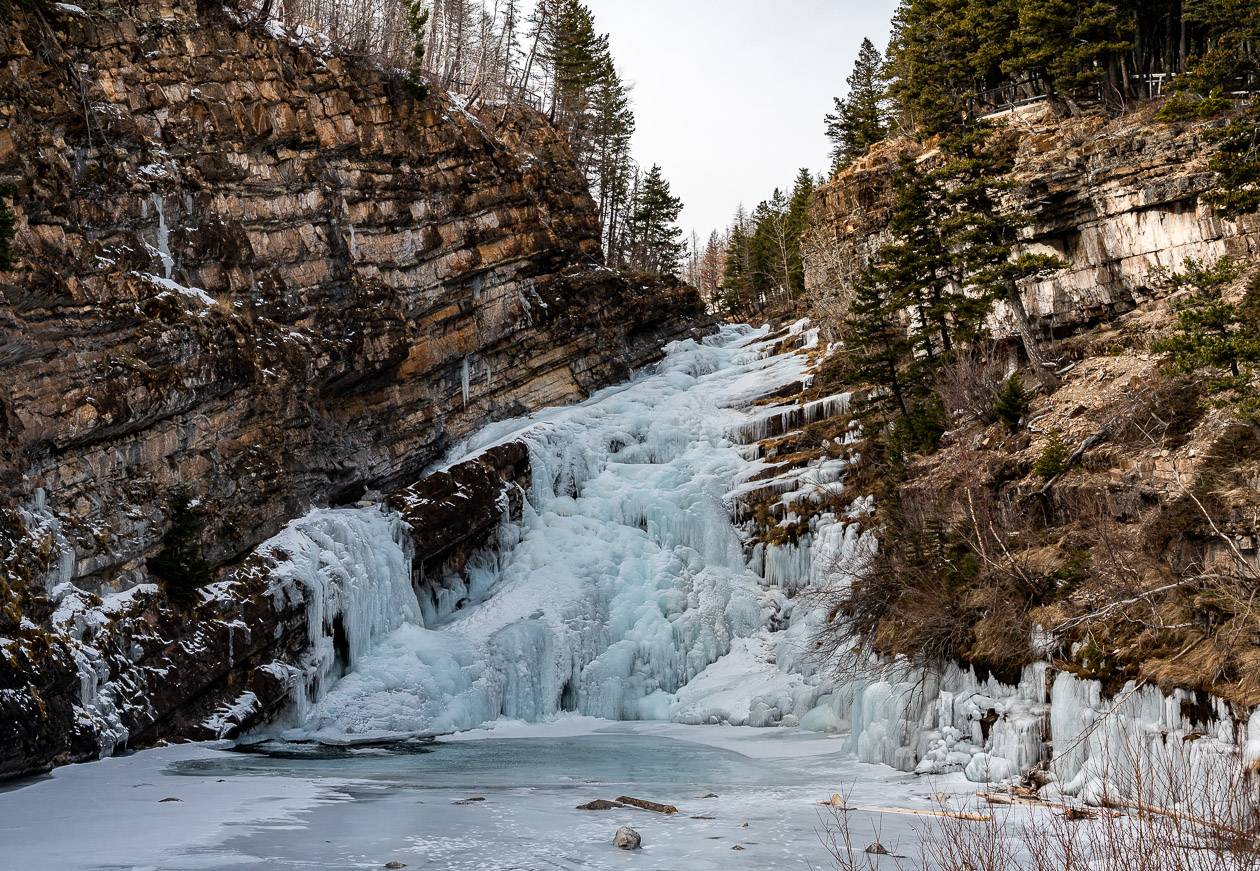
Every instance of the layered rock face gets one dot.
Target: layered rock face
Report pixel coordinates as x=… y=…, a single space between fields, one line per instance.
x=1115 y=200
x=253 y=279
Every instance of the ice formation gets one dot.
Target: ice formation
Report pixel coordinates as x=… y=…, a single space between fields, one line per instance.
x=627 y=592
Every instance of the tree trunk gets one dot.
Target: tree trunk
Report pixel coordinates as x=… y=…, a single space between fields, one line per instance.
x=1044 y=368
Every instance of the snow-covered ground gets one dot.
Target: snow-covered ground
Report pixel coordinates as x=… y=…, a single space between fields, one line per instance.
x=302 y=808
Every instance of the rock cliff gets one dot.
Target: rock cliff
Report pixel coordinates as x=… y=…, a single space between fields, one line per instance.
x=1114 y=199
x=253 y=277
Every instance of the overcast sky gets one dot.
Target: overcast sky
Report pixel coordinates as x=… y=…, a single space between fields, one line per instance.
x=730 y=94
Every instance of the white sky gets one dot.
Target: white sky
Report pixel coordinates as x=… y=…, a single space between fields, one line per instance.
x=730 y=94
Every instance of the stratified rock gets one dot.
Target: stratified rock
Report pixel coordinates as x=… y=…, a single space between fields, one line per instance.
x=252 y=280
x=1115 y=199
x=626 y=838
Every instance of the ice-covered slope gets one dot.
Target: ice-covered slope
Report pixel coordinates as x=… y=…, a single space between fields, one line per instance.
x=629 y=579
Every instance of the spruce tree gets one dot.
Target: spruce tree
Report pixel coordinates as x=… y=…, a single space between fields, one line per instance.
x=736 y=269
x=797 y=221
x=981 y=237
x=1212 y=335
x=931 y=59
x=581 y=61
x=1237 y=164
x=417 y=22
x=611 y=165
x=858 y=121
x=878 y=346
x=657 y=245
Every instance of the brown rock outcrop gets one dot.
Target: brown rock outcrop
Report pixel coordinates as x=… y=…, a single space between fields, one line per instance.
x=259 y=279
x=1117 y=200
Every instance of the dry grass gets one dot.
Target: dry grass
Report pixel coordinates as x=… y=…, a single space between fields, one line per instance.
x=1178 y=811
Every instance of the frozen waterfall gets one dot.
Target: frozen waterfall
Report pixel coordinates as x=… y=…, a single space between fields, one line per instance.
x=627 y=593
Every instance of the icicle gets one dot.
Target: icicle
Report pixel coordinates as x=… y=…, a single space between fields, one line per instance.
x=163 y=238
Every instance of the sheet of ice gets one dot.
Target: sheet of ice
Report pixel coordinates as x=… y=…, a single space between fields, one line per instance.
x=112 y=813
x=304 y=808
x=352 y=569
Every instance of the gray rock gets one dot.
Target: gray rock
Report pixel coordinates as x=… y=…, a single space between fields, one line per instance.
x=627 y=839
x=877 y=849
x=600 y=804
x=395 y=864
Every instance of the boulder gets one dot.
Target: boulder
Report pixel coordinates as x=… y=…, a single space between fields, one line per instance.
x=627 y=838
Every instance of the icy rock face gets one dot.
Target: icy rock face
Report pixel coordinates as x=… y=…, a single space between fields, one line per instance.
x=352 y=570
x=269 y=279
x=259 y=275
x=1143 y=746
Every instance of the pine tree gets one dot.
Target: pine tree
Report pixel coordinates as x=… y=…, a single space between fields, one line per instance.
x=1237 y=164
x=417 y=23
x=611 y=167
x=878 y=345
x=657 y=245
x=1212 y=335
x=858 y=121
x=797 y=220
x=916 y=260
x=981 y=238
x=581 y=62
x=931 y=59
x=736 y=267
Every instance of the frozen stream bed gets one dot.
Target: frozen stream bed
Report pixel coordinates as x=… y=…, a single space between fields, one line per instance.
x=301 y=808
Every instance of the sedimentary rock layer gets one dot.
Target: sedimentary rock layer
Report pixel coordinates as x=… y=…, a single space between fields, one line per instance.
x=1117 y=200
x=253 y=278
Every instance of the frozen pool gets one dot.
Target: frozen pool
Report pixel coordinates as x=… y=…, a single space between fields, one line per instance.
x=301 y=807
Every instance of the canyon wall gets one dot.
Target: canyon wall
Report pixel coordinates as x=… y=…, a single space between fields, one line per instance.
x=252 y=277
x=1116 y=200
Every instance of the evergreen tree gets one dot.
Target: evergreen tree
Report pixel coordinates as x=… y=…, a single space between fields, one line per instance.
x=656 y=245
x=1211 y=334
x=981 y=238
x=612 y=167
x=931 y=58
x=797 y=221
x=858 y=121
x=736 y=268
x=878 y=346
x=417 y=23
x=581 y=63
x=1237 y=164
x=916 y=261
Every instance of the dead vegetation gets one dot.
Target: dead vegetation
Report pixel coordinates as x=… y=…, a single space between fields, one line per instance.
x=1134 y=558
x=1165 y=819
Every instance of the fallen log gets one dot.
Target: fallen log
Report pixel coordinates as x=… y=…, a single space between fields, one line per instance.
x=837 y=802
x=600 y=804
x=644 y=804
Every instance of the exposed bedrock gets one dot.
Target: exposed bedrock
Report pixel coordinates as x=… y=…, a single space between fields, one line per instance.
x=252 y=280
x=1116 y=200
